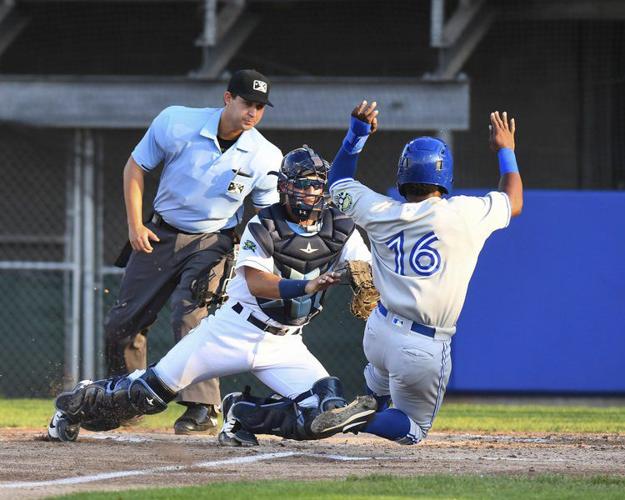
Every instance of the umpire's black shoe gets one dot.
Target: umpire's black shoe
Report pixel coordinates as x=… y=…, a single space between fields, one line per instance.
x=197 y=418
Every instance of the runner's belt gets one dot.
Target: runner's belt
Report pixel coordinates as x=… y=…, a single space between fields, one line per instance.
x=428 y=331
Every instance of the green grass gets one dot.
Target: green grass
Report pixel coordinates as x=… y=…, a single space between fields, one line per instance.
x=458 y=417
x=530 y=418
x=545 y=487
x=36 y=413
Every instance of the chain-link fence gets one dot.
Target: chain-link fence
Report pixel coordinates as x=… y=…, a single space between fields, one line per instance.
x=41 y=247
x=34 y=283
x=63 y=220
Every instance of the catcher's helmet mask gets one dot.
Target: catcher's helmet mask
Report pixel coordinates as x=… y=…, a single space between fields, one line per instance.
x=302 y=169
x=426 y=160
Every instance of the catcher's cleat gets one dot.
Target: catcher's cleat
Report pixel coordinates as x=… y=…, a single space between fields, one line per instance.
x=237 y=438
x=61 y=428
x=231 y=433
x=345 y=418
x=65 y=426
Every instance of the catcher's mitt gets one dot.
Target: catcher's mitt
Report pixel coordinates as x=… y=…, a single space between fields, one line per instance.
x=357 y=273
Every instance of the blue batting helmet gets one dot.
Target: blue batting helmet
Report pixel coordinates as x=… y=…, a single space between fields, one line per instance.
x=426 y=160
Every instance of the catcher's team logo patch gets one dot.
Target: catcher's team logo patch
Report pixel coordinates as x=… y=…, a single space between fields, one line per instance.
x=260 y=86
x=343 y=200
x=249 y=245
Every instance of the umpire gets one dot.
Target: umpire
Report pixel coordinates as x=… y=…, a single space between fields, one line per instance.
x=213 y=158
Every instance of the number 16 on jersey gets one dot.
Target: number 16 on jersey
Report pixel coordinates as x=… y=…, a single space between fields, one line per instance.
x=423 y=260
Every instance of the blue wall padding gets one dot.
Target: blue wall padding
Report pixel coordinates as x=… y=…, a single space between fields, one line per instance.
x=545 y=311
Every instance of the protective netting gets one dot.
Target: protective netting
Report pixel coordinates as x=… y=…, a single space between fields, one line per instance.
x=564 y=81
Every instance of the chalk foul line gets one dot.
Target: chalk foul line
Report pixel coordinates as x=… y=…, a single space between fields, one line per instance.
x=176 y=468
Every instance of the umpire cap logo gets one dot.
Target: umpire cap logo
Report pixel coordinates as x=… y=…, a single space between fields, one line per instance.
x=260 y=86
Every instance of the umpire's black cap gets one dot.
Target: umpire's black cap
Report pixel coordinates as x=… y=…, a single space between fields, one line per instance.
x=250 y=85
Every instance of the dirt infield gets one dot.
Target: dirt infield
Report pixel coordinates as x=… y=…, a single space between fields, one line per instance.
x=35 y=468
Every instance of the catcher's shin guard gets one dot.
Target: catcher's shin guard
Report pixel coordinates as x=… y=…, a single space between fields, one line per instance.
x=284 y=417
x=280 y=418
x=246 y=415
x=104 y=404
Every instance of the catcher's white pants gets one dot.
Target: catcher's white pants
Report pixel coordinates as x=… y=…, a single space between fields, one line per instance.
x=412 y=368
x=226 y=344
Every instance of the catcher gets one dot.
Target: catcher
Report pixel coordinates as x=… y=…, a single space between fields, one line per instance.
x=289 y=255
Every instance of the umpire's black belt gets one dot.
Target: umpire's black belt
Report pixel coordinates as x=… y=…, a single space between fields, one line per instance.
x=428 y=331
x=158 y=220
x=238 y=308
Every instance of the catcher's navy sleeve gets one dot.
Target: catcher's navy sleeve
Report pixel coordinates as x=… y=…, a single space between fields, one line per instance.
x=346 y=160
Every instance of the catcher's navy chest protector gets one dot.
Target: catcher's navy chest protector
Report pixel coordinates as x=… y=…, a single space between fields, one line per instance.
x=299 y=257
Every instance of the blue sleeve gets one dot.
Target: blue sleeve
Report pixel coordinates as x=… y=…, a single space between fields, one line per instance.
x=150 y=152
x=343 y=167
x=346 y=160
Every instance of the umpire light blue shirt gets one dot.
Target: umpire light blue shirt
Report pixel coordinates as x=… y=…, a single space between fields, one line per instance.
x=202 y=190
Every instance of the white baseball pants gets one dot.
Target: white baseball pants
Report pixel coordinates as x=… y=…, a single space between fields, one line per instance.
x=225 y=343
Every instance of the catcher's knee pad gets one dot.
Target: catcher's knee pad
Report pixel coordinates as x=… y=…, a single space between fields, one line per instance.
x=330 y=393
x=104 y=404
x=148 y=393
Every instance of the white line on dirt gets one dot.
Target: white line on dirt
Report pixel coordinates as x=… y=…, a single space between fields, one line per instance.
x=123 y=438
x=519 y=459
x=175 y=468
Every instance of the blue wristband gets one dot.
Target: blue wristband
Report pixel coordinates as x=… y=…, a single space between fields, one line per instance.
x=357 y=135
x=507 y=161
x=290 y=289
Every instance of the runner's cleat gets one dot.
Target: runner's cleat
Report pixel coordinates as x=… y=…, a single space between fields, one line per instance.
x=344 y=418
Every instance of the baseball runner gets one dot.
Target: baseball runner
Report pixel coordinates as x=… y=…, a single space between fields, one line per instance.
x=424 y=251
x=287 y=260
x=213 y=158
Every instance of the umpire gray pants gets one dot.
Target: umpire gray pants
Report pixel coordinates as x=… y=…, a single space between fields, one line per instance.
x=149 y=281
